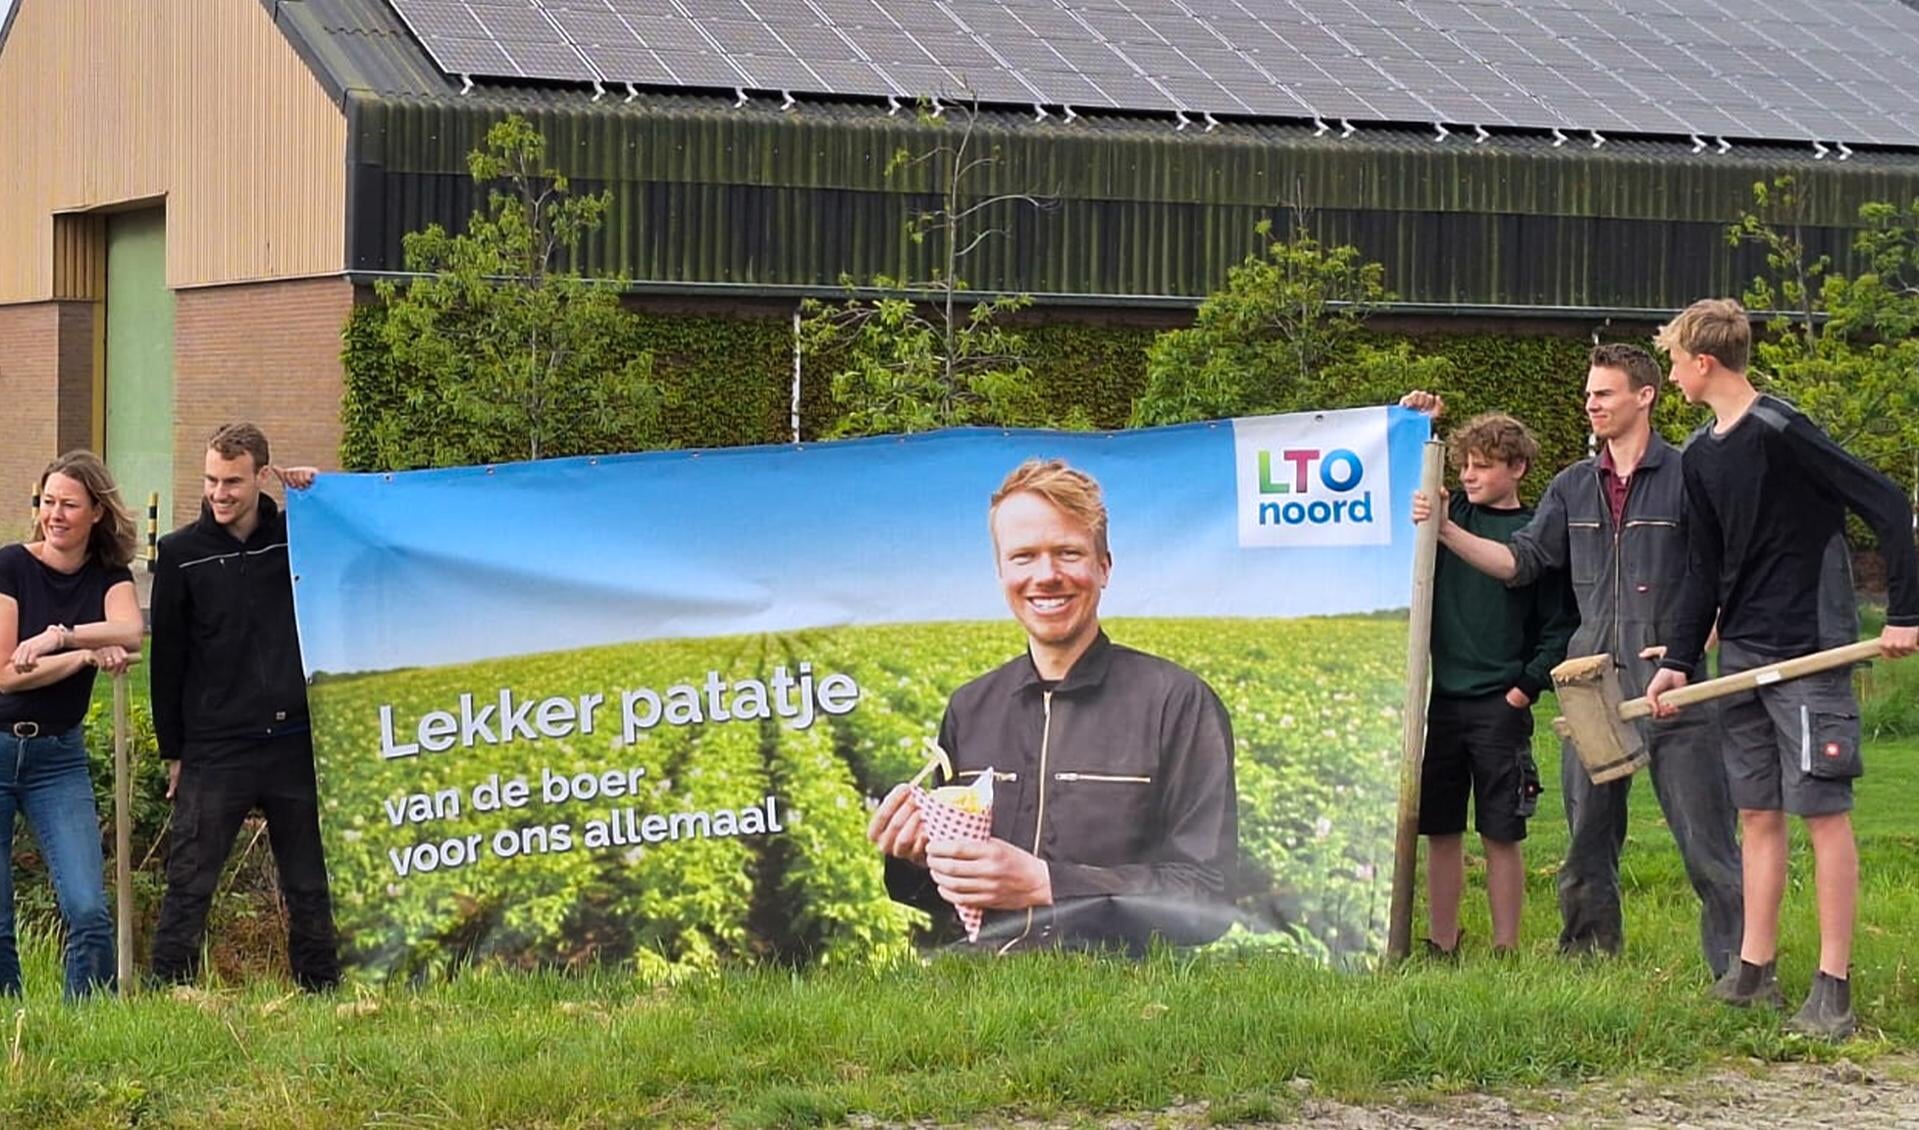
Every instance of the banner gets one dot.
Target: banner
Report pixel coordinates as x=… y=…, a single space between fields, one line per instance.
x=643 y=708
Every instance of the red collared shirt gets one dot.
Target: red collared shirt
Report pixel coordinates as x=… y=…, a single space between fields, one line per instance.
x=1617 y=487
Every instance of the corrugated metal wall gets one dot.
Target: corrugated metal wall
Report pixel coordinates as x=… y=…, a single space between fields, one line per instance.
x=705 y=193
x=202 y=102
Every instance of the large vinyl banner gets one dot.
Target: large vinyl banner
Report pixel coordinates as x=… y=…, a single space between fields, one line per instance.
x=645 y=708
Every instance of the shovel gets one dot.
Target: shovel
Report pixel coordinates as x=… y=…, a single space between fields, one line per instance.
x=1595 y=715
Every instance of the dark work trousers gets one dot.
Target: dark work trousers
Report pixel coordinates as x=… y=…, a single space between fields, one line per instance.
x=213 y=800
x=1689 y=780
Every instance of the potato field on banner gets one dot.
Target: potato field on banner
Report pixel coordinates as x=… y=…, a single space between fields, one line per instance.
x=1315 y=707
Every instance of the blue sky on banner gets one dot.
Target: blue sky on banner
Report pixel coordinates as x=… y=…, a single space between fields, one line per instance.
x=432 y=567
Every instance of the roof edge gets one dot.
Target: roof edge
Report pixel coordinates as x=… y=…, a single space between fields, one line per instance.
x=358 y=47
x=536 y=100
x=308 y=53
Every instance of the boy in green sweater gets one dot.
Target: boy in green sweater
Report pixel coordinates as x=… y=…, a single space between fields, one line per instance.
x=1493 y=650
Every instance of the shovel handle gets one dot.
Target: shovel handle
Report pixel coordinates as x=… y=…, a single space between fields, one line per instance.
x=1757 y=677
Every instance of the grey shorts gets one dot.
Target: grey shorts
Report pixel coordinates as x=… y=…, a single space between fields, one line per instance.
x=1792 y=746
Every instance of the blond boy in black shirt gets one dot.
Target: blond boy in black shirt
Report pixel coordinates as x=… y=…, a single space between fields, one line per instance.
x=1767 y=493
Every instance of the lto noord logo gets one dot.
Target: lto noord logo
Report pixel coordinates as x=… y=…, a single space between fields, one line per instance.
x=1318 y=479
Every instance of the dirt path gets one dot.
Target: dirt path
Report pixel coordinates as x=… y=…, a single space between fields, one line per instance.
x=1881 y=1095
x=1877 y=1096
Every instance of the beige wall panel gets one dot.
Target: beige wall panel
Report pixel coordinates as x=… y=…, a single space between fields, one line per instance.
x=202 y=102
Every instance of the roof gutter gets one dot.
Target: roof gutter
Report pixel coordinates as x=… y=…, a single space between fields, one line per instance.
x=795 y=292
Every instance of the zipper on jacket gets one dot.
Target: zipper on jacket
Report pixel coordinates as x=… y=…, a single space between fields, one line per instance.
x=1618 y=557
x=1619 y=561
x=1039 y=821
x=1116 y=778
x=1045 y=739
x=262 y=690
x=1618 y=591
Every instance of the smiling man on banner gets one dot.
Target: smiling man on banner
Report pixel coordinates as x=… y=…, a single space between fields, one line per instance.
x=1115 y=815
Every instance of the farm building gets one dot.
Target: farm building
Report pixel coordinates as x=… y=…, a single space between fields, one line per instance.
x=200 y=191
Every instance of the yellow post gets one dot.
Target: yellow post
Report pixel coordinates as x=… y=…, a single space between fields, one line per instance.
x=153 y=528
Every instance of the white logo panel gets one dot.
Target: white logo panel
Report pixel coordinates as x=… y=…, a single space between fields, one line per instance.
x=1315 y=478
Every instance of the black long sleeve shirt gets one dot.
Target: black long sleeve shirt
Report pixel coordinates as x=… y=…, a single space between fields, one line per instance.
x=225 y=659
x=1765 y=499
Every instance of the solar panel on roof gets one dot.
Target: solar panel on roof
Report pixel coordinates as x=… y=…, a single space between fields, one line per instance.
x=1837 y=70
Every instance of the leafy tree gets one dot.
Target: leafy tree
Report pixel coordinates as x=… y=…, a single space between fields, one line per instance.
x=1848 y=354
x=516 y=353
x=926 y=353
x=1287 y=332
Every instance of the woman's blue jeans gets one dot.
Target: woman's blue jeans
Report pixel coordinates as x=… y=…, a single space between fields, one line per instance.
x=46 y=780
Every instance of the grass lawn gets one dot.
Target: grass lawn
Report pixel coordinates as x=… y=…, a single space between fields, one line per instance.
x=1047 y=1035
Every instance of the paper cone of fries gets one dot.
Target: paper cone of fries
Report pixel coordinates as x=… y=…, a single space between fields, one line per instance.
x=960 y=812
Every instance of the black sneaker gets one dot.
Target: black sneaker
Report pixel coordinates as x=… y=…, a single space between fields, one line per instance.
x=1749 y=985
x=1827 y=1013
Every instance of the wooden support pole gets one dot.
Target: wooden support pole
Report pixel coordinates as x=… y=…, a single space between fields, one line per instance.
x=1419 y=634
x=122 y=836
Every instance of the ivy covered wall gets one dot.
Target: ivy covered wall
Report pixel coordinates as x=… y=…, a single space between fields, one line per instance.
x=729 y=381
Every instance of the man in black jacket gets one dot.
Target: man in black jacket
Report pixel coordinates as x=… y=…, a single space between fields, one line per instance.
x=230 y=710
x=1115 y=816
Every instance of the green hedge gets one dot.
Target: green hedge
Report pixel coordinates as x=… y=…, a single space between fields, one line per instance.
x=729 y=381
x=1100 y=368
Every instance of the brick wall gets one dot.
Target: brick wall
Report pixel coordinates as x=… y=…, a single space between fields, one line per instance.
x=29 y=407
x=265 y=352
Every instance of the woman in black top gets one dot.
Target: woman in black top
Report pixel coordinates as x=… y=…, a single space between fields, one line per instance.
x=67 y=610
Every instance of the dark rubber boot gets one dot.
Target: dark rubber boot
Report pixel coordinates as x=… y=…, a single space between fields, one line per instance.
x=1827 y=1013
x=1750 y=985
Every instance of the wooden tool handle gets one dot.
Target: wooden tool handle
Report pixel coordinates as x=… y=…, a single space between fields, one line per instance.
x=122 y=837
x=1757 y=677
x=1412 y=750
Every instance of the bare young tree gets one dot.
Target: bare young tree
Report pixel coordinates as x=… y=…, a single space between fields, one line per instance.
x=912 y=355
x=515 y=352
